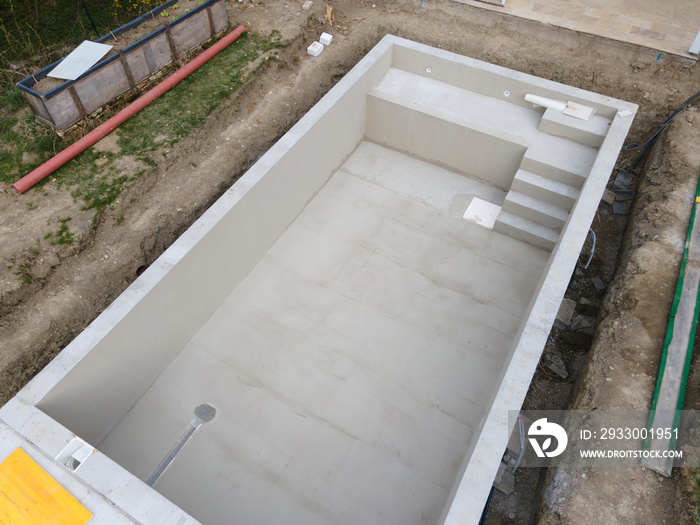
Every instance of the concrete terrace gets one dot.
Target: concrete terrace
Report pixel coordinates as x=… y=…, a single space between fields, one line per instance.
x=667 y=26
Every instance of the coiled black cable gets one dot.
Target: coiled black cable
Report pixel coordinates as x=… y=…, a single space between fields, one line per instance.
x=646 y=145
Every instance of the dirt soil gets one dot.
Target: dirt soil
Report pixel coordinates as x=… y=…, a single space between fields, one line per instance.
x=624 y=358
x=50 y=292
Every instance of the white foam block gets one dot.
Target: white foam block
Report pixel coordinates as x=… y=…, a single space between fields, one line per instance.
x=574 y=109
x=326 y=39
x=482 y=212
x=315 y=49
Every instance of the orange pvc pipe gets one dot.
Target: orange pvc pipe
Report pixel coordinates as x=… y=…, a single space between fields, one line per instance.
x=51 y=165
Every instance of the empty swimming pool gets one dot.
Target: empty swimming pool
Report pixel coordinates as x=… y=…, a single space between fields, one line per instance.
x=361 y=310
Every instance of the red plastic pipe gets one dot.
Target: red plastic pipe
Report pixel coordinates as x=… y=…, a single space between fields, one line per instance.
x=51 y=165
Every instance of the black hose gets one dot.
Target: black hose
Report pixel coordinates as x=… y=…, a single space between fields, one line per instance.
x=90 y=17
x=486 y=509
x=646 y=145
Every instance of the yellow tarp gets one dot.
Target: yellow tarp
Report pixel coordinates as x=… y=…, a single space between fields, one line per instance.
x=29 y=496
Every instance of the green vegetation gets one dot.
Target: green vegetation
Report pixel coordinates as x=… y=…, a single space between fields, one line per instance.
x=188 y=104
x=34 y=34
x=23 y=274
x=92 y=176
x=39 y=31
x=24 y=142
x=63 y=235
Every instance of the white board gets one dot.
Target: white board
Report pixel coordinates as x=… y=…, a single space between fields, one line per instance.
x=482 y=212
x=80 y=60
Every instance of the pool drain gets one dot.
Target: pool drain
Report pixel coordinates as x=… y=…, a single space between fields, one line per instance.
x=202 y=414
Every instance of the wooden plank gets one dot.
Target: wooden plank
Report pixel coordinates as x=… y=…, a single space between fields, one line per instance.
x=212 y=31
x=37 y=105
x=161 y=51
x=62 y=109
x=76 y=100
x=138 y=65
x=127 y=70
x=101 y=86
x=192 y=31
x=149 y=56
x=30 y=496
x=171 y=43
x=218 y=11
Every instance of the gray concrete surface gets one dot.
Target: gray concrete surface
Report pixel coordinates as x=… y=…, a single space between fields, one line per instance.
x=349 y=369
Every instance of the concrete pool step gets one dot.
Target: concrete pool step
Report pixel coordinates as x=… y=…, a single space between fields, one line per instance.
x=572 y=172
x=525 y=230
x=589 y=132
x=542 y=188
x=535 y=210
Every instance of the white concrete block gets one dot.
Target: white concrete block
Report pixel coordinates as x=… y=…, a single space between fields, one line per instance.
x=315 y=49
x=307 y=5
x=325 y=39
x=578 y=111
x=589 y=132
x=482 y=212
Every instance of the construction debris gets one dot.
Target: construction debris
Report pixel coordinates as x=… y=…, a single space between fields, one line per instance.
x=621 y=208
x=556 y=364
x=330 y=16
x=566 y=311
x=599 y=284
x=315 y=49
x=608 y=197
x=623 y=180
x=582 y=323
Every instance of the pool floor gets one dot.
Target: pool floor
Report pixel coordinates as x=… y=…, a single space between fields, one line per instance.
x=351 y=367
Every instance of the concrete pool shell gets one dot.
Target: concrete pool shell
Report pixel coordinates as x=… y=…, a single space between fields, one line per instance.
x=361 y=341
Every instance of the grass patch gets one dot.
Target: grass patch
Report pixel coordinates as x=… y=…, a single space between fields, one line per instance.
x=63 y=235
x=187 y=105
x=12 y=99
x=100 y=192
x=694 y=476
x=25 y=143
x=23 y=274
